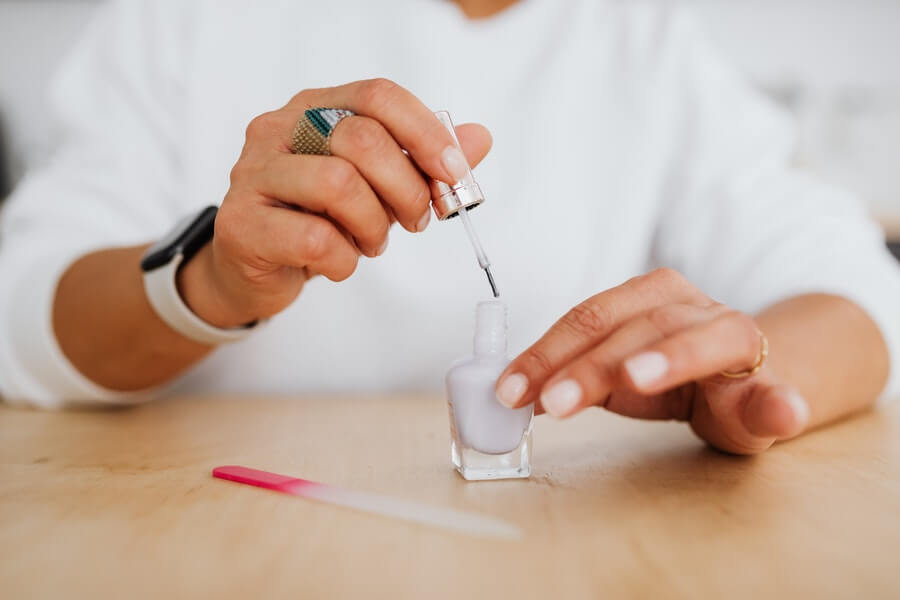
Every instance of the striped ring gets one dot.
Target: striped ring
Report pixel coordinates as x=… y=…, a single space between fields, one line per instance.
x=313 y=131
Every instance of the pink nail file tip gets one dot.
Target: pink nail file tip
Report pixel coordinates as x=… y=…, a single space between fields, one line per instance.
x=447 y=518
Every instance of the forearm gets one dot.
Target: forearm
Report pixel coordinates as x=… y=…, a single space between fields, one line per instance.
x=107 y=329
x=830 y=350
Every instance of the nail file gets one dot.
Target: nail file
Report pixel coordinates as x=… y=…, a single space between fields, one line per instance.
x=398 y=508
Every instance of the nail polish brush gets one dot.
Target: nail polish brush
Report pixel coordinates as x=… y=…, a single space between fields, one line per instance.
x=457 y=200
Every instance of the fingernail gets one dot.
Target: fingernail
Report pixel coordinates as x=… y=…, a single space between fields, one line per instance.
x=644 y=369
x=383 y=246
x=562 y=398
x=799 y=406
x=454 y=163
x=511 y=389
x=423 y=222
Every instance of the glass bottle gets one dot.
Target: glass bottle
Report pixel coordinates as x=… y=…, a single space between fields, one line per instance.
x=488 y=440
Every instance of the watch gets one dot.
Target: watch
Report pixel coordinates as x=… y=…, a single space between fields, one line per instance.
x=160 y=266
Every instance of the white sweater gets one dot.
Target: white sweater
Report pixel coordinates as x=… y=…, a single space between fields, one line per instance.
x=622 y=142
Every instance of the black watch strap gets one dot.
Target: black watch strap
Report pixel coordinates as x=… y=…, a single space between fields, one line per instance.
x=186 y=239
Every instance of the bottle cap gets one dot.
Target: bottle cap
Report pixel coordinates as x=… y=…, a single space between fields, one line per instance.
x=447 y=200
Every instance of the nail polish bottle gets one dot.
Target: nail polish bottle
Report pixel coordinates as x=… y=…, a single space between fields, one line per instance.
x=488 y=440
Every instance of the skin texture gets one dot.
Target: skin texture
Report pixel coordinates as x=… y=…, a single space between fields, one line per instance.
x=287 y=218
x=823 y=348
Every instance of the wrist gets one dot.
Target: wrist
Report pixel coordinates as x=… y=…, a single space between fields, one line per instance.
x=201 y=288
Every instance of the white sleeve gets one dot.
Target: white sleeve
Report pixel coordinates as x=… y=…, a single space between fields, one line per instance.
x=113 y=181
x=744 y=224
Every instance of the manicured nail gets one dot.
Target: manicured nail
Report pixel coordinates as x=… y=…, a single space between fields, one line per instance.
x=645 y=369
x=562 y=398
x=799 y=407
x=511 y=389
x=454 y=163
x=423 y=222
x=383 y=247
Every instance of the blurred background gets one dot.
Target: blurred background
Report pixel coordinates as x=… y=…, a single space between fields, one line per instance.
x=833 y=63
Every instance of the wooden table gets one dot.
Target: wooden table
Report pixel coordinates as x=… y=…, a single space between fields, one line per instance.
x=121 y=504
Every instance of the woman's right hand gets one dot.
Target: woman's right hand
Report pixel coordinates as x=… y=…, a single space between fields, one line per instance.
x=287 y=217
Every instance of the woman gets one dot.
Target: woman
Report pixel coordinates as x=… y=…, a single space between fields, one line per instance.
x=622 y=143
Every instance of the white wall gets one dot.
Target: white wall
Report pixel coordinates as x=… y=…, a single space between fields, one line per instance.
x=835 y=62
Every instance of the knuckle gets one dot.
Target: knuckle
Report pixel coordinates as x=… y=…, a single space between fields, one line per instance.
x=537 y=361
x=745 y=330
x=375 y=93
x=664 y=319
x=673 y=284
x=319 y=240
x=238 y=172
x=244 y=171
x=337 y=178
x=602 y=366
x=668 y=277
x=588 y=319
x=363 y=134
x=262 y=126
x=301 y=96
x=689 y=353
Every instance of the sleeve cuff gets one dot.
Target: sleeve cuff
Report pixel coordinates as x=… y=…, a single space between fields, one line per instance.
x=882 y=307
x=876 y=290
x=44 y=377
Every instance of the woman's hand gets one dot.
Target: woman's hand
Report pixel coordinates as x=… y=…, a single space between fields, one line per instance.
x=654 y=348
x=287 y=217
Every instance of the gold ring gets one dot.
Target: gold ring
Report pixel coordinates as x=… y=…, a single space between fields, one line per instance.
x=760 y=360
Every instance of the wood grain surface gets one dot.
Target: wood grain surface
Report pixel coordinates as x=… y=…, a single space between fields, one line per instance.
x=120 y=503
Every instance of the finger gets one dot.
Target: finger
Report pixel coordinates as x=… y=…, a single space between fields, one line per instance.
x=371 y=149
x=591 y=378
x=749 y=418
x=410 y=122
x=586 y=325
x=476 y=142
x=286 y=237
x=730 y=341
x=775 y=412
x=717 y=420
x=331 y=186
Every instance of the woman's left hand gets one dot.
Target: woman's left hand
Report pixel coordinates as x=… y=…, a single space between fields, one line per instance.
x=654 y=348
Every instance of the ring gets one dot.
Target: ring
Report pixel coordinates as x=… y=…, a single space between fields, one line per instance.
x=760 y=360
x=313 y=131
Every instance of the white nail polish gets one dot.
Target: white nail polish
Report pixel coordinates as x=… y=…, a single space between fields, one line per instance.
x=454 y=163
x=423 y=221
x=647 y=368
x=511 y=389
x=488 y=440
x=449 y=199
x=799 y=407
x=562 y=398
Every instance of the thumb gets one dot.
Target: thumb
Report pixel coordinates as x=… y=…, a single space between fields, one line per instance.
x=475 y=140
x=775 y=411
